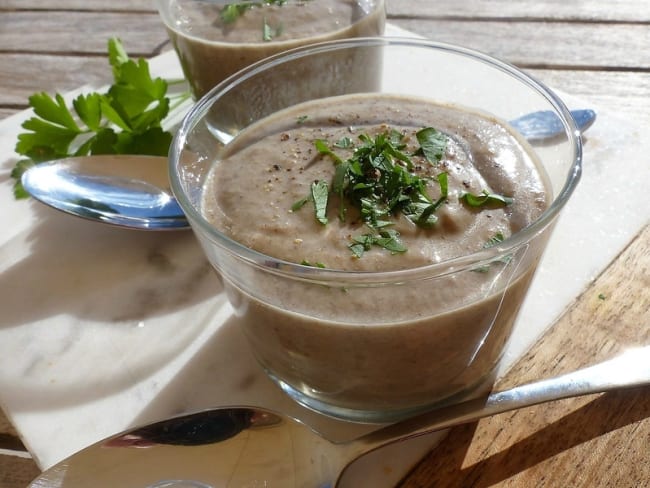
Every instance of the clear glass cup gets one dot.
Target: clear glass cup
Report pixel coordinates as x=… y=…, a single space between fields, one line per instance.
x=364 y=345
x=213 y=42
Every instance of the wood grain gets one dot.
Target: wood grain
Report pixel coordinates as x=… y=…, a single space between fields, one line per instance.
x=141 y=33
x=16 y=472
x=584 y=10
x=594 y=441
x=526 y=44
x=79 y=5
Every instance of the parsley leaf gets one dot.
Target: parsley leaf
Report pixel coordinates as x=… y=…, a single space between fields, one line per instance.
x=387 y=239
x=269 y=32
x=497 y=238
x=127 y=119
x=319 y=194
x=486 y=199
x=433 y=144
x=494 y=240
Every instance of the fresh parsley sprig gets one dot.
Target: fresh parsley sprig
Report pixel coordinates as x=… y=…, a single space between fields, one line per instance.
x=126 y=119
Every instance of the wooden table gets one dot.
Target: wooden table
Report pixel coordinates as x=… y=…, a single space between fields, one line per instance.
x=595 y=49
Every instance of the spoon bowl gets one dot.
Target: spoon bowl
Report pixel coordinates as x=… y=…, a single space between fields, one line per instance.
x=123 y=190
x=249 y=446
x=133 y=191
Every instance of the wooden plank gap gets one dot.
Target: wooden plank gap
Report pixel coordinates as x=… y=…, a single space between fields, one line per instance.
x=11 y=443
x=573 y=67
x=520 y=20
x=78 y=10
x=80 y=54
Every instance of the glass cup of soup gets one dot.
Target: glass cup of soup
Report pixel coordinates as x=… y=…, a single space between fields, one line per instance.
x=374 y=217
x=216 y=38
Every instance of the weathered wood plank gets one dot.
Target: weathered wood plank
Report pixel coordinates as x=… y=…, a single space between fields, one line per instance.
x=16 y=467
x=584 y=10
x=595 y=441
x=627 y=94
x=593 y=10
x=52 y=5
x=19 y=75
x=141 y=34
x=623 y=94
x=575 y=45
x=16 y=471
x=585 y=45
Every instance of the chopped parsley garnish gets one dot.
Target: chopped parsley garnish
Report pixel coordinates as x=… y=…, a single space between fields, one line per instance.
x=381 y=179
x=230 y=12
x=127 y=119
x=387 y=239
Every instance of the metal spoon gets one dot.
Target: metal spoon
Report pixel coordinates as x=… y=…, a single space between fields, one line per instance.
x=133 y=191
x=248 y=446
x=123 y=190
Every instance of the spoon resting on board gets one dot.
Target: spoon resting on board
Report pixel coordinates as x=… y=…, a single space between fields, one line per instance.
x=249 y=446
x=133 y=191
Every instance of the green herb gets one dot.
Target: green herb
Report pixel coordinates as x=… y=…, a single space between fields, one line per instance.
x=302 y=119
x=316 y=264
x=433 y=144
x=493 y=241
x=379 y=180
x=601 y=296
x=300 y=203
x=387 y=239
x=344 y=143
x=486 y=199
x=319 y=194
x=124 y=120
x=269 y=32
x=232 y=11
x=323 y=148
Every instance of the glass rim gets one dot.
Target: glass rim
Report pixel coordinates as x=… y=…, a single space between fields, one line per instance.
x=327 y=275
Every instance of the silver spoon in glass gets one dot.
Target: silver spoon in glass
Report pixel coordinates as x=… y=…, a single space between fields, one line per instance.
x=249 y=446
x=133 y=191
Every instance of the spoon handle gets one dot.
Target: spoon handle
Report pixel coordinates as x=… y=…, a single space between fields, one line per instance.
x=630 y=369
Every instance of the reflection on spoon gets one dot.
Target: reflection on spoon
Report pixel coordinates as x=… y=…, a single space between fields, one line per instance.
x=245 y=446
x=133 y=191
x=123 y=190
